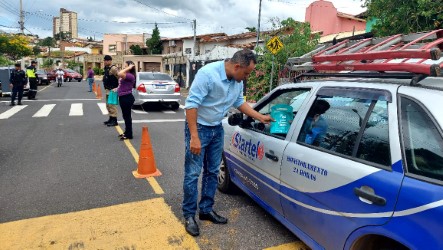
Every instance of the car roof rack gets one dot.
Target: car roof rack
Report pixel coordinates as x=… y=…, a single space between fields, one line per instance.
x=397 y=56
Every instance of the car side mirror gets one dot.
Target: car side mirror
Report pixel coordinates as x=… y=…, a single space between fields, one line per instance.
x=235 y=119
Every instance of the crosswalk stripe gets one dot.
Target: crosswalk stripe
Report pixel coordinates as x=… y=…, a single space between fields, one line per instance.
x=11 y=112
x=44 y=111
x=139 y=111
x=169 y=112
x=102 y=107
x=76 y=109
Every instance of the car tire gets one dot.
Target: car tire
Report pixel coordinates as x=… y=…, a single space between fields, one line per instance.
x=175 y=106
x=224 y=183
x=79 y=80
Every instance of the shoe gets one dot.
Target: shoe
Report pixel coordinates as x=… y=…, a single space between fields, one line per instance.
x=19 y=103
x=121 y=135
x=213 y=217
x=124 y=137
x=113 y=122
x=192 y=227
x=108 y=121
x=12 y=104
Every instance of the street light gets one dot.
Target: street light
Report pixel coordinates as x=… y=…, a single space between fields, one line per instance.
x=258 y=26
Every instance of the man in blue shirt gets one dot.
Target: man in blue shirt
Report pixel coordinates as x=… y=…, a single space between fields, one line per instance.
x=216 y=88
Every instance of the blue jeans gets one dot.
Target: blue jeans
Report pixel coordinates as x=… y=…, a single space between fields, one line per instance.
x=90 y=81
x=211 y=139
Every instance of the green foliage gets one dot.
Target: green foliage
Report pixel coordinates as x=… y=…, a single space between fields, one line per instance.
x=154 y=44
x=14 y=46
x=251 y=29
x=90 y=39
x=5 y=61
x=403 y=17
x=48 y=42
x=98 y=71
x=62 y=36
x=36 y=50
x=47 y=63
x=297 y=40
x=136 y=49
x=73 y=64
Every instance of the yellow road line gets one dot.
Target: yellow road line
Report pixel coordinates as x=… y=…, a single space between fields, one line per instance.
x=152 y=181
x=149 y=224
x=290 y=246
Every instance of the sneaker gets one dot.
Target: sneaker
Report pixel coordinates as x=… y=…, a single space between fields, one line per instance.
x=12 y=104
x=19 y=103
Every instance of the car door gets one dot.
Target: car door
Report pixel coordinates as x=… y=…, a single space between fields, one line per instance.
x=345 y=177
x=255 y=155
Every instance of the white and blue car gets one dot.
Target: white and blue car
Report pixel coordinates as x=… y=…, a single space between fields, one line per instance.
x=373 y=179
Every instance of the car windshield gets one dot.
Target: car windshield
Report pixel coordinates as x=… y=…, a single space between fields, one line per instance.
x=41 y=72
x=154 y=76
x=70 y=71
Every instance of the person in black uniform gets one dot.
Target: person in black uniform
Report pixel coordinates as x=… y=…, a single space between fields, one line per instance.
x=110 y=81
x=17 y=81
x=31 y=74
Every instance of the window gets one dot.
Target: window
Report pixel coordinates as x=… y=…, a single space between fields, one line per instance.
x=112 y=48
x=291 y=101
x=422 y=141
x=188 y=51
x=356 y=126
x=153 y=76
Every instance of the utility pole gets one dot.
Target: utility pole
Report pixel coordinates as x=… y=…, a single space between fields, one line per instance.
x=258 y=26
x=60 y=35
x=194 y=24
x=22 y=18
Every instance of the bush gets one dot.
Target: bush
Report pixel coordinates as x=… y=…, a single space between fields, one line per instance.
x=5 y=61
x=98 y=71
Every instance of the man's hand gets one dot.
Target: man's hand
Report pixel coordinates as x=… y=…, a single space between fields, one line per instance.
x=10 y=85
x=195 y=145
x=266 y=119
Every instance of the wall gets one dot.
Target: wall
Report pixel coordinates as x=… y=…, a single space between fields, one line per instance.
x=188 y=43
x=146 y=63
x=322 y=16
x=172 y=49
x=119 y=40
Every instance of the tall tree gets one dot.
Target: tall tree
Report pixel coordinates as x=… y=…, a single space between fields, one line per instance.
x=48 y=42
x=154 y=44
x=399 y=16
x=36 y=50
x=14 y=46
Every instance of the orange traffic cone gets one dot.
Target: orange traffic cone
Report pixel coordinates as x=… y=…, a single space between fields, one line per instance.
x=99 y=92
x=93 y=87
x=146 y=161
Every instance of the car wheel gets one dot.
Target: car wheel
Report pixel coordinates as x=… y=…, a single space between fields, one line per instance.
x=79 y=80
x=175 y=105
x=224 y=180
x=70 y=79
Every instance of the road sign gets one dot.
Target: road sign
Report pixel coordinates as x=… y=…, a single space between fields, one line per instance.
x=274 y=45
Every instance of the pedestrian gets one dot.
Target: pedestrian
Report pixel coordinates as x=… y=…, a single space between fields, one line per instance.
x=125 y=97
x=90 y=78
x=110 y=81
x=30 y=73
x=17 y=81
x=216 y=88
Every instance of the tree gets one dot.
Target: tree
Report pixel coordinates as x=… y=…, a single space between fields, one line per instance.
x=36 y=50
x=5 y=61
x=64 y=35
x=251 y=29
x=47 y=63
x=399 y=16
x=48 y=42
x=90 y=39
x=14 y=46
x=297 y=40
x=154 y=44
x=136 y=50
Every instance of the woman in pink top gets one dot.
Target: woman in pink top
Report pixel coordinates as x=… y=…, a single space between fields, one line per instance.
x=125 y=97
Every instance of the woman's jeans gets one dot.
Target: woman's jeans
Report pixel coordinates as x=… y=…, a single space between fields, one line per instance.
x=90 y=81
x=126 y=103
x=211 y=139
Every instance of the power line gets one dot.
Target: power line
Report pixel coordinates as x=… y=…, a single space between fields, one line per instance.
x=10 y=10
x=159 y=10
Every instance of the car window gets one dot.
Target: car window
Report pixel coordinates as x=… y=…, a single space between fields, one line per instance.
x=354 y=127
x=282 y=106
x=154 y=76
x=422 y=141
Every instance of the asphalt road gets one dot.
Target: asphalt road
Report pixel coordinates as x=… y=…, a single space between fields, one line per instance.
x=65 y=180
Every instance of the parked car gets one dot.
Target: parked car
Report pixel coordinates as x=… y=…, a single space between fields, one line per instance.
x=51 y=75
x=42 y=76
x=71 y=74
x=156 y=87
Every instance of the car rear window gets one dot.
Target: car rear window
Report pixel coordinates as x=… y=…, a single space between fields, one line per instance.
x=154 y=76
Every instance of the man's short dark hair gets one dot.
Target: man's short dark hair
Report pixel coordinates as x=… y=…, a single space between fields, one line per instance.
x=107 y=58
x=244 y=57
x=33 y=62
x=17 y=65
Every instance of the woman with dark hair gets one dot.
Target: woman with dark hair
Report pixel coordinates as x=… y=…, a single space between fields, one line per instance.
x=125 y=97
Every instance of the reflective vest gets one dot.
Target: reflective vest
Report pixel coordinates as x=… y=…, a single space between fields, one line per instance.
x=30 y=72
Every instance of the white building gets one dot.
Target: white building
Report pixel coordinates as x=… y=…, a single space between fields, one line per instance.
x=66 y=22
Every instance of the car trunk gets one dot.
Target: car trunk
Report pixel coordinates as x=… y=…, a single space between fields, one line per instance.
x=159 y=87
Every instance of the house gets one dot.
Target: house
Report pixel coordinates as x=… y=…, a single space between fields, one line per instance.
x=114 y=44
x=324 y=17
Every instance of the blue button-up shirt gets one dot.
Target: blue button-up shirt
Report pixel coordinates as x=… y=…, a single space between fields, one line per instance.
x=212 y=94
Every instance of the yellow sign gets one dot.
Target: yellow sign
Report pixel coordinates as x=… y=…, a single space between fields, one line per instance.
x=274 y=45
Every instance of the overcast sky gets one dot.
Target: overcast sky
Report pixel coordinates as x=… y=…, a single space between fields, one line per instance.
x=174 y=16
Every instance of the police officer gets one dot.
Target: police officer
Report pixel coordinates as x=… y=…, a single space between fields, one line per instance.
x=110 y=81
x=17 y=81
x=30 y=72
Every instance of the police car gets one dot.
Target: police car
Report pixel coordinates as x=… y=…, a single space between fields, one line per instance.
x=365 y=171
